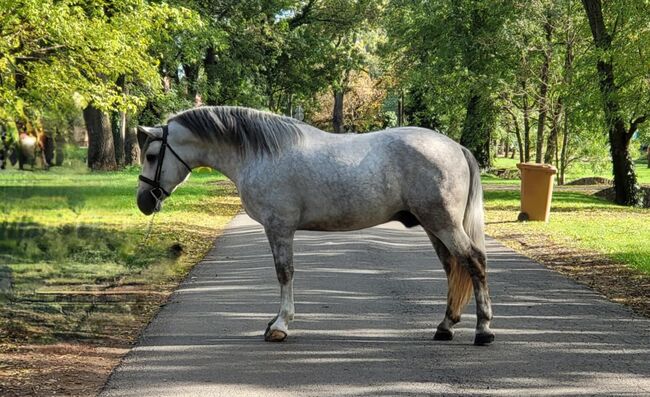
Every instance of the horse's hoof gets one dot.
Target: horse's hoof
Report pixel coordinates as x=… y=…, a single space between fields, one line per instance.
x=443 y=334
x=483 y=339
x=275 y=336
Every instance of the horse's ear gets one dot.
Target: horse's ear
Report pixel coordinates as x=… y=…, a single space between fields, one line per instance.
x=153 y=132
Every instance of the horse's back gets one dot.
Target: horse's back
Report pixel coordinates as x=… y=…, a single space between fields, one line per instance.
x=350 y=181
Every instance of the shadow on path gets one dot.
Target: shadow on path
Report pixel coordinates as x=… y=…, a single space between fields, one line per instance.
x=367 y=303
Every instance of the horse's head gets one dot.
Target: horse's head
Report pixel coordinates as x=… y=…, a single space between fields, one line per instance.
x=164 y=167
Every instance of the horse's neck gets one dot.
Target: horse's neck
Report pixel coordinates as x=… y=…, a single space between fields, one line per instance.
x=229 y=160
x=225 y=159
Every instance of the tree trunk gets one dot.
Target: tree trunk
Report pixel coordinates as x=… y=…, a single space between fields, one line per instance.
x=119 y=148
x=290 y=105
x=625 y=183
x=543 y=90
x=565 y=150
x=477 y=127
x=519 y=140
x=551 y=143
x=526 y=110
x=47 y=149
x=101 y=151
x=568 y=79
x=337 y=114
x=59 y=144
x=191 y=81
x=211 y=73
x=131 y=147
x=400 y=109
x=118 y=139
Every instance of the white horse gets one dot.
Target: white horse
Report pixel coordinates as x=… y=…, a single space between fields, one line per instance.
x=292 y=176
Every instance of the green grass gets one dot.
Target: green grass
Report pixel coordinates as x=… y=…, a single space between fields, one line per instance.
x=576 y=171
x=579 y=221
x=73 y=244
x=493 y=180
x=503 y=162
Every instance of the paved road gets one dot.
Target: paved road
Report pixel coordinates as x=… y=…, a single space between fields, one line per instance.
x=367 y=303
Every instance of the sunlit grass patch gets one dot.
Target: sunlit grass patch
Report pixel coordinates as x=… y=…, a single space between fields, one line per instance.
x=576 y=171
x=578 y=221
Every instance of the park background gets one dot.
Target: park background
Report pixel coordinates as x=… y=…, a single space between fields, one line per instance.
x=563 y=82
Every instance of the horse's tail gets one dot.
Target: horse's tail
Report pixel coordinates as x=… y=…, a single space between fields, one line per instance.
x=473 y=223
x=460 y=281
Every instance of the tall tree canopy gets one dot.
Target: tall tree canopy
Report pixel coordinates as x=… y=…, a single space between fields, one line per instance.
x=558 y=81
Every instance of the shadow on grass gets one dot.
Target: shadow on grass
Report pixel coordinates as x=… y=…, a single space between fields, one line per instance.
x=562 y=201
x=31 y=242
x=52 y=278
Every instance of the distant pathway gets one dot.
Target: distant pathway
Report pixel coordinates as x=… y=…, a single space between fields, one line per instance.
x=367 y=303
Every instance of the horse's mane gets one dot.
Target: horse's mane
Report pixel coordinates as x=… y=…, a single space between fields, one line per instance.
x=252 y=131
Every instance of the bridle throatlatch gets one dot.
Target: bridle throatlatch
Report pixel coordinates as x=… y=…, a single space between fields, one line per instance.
x=157 y=192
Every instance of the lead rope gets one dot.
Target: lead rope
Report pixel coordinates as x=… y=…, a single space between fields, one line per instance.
x=148 y=233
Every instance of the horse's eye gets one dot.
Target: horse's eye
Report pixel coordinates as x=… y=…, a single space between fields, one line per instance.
x=151 y=158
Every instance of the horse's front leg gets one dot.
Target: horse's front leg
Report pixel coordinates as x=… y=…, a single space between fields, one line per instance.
x=282 y=247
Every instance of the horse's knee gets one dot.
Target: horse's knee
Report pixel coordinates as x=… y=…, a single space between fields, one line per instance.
x=284 y=271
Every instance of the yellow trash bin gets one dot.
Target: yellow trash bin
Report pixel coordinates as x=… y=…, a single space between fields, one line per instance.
x=536 y=191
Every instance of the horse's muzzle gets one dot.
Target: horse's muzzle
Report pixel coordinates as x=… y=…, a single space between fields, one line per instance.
x=149 y=202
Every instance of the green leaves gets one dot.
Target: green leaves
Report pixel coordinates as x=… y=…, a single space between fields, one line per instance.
x=53 y=51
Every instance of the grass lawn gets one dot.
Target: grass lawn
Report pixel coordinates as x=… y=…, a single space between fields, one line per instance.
x=72 y=244
x=575 y=172
x=577 y=221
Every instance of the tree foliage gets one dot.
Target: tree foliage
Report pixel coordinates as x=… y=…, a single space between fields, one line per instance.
x=509 y=73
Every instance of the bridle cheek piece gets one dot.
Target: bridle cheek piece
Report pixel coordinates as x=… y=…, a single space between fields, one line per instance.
x=157 y=192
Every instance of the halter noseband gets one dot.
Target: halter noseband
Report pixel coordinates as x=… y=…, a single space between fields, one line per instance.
x=158 y=190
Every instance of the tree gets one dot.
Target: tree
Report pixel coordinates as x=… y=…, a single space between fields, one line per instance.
x=340 y=38
x=610 y=59
x=101 y=150
x=362 y=109
x=458 y=51
x=72 y=55
x=543 y=83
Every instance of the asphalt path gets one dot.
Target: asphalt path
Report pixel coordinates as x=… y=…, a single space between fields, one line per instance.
x=367 y=304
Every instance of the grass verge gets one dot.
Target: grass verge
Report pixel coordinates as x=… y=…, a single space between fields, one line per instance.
x=595 y=242
x=578 y=221
x=74 y=266
x=576 y=171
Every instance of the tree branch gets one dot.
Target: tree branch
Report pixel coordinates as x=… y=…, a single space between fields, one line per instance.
x=302 y=18
x=635 y=124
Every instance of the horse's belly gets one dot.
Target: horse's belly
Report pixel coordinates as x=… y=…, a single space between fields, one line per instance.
x=341 y=216
x=341 y=224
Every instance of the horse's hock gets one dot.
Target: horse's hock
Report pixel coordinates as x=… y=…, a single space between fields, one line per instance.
x=536 y=191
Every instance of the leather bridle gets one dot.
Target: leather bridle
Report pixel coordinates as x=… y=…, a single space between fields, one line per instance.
x=158 y=191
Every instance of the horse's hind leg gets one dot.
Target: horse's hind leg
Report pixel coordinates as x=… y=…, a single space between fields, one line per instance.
x=459 y=289
x=473 y=259
x=282 y=248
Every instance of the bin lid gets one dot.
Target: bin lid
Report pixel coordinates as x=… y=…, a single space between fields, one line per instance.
x=547 y=168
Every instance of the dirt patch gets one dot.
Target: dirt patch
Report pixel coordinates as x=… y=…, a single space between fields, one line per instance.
x=80 y=366
x=616 y=281
x=66 y=369
x=594 y=180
